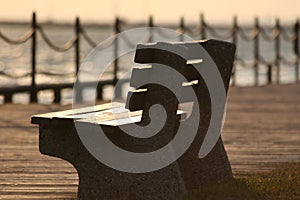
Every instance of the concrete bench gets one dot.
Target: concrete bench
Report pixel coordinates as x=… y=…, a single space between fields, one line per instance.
x=59 y=131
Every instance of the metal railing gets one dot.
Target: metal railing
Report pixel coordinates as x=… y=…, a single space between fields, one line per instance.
x=234 y=34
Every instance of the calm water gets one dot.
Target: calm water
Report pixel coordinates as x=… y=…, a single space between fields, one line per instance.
x=57 y=67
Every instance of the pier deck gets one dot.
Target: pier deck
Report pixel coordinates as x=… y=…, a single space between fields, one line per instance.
x=262 y=129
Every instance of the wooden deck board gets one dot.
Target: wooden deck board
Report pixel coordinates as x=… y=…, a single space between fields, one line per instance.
x=262 y=128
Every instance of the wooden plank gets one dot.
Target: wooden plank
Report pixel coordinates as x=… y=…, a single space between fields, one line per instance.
x=114 y=119
x=74 y=113
x=119 y=119
x=249 y=135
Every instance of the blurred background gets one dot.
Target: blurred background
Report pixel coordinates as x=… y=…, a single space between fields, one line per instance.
x=266 y=34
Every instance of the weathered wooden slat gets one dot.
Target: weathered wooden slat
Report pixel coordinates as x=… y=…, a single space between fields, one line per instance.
x=39 y=196
x=74 y=113
x=36 y=177
x=113 y=119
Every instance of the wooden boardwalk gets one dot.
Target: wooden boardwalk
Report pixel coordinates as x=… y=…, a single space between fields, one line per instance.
x=262 y=129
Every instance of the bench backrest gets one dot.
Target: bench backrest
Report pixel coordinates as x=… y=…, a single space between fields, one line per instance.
x=160 y=55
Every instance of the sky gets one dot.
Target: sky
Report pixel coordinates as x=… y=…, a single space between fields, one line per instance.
x=139 y=10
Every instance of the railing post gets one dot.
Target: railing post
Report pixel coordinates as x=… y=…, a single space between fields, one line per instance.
x=57 y=95
x=77 y=44
x=277 y=51
x=256 y=51
x=100 y=92
x=182 y=29
x=33 y=92
x=116 y=47
x=151 y=25
x=269 y=73
x=296 y=49
x=118 y=90
x=234 y=41
x=77 y=58
x=202 y=27
x=8 y=97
